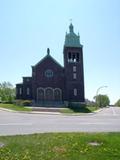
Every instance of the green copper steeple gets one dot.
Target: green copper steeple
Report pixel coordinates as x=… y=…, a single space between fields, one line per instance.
x=71 y=39
x=71 y=28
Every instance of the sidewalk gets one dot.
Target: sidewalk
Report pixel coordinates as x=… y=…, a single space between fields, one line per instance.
x=31 y=112
x=49 y=111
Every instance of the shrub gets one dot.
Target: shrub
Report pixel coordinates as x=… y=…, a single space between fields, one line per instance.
x=18 y=102
x=102 y=100
x=23 y=102
x=117 y=103
x=26 y=102
x=76 y=105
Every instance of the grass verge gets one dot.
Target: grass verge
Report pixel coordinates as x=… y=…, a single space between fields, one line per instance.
x=86 y=109
x=14 y=107
x=58 y=146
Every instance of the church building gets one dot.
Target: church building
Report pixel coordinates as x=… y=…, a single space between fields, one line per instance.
x=52 y=83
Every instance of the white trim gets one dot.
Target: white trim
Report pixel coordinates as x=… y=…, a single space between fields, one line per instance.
x=53 y=92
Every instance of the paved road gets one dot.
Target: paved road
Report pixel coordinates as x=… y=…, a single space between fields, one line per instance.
x=107 y=120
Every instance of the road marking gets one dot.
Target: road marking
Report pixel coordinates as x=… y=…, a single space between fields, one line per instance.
x=15 y=124
x=113 y=111
x=90 y=123
x=94 y=123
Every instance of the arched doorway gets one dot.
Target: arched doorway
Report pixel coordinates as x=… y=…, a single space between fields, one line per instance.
x=57 y=94
x=49 y=96
x=40 y=94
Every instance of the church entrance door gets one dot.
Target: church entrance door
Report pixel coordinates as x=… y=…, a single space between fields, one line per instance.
x=57 y=94
x=40 y=94
x=49 y=96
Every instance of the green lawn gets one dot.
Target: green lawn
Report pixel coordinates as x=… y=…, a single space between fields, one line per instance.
x=61 y=146
x=15 y=107
x=87 y=109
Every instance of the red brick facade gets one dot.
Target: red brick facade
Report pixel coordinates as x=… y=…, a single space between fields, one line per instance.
x=52 y=83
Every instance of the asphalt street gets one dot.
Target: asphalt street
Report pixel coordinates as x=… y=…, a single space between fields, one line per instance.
x=107 y=120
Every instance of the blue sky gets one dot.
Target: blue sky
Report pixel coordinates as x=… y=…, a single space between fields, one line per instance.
x=28 y=27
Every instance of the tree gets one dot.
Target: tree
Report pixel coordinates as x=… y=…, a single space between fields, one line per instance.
x=102 y=100
x=117 y=103
x=7 y=92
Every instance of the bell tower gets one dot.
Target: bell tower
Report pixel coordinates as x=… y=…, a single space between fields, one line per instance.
x=73 y=64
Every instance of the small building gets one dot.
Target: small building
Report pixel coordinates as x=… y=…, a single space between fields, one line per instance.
x=52 y=83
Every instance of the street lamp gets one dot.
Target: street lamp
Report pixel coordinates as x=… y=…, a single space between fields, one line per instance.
x=99 y=90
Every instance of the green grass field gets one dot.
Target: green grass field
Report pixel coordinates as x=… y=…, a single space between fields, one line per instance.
x=14 y=107
x=61 y=146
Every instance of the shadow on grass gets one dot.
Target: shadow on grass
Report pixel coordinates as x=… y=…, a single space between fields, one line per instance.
x=81 y=108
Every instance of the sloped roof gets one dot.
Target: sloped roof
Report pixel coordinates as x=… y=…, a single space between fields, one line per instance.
x=19 y=83
x=48 y=56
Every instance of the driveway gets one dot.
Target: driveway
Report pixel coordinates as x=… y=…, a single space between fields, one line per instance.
x=107 y=120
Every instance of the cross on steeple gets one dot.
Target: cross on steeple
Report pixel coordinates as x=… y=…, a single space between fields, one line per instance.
x=71 y=28
x=48 y=51
x=71 y=20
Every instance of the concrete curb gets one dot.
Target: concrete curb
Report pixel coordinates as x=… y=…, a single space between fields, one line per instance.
x=8 y=110
x=99 y=110
x=51 y=113
x=30 y=112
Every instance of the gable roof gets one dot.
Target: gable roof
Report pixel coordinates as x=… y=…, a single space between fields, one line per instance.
x=49 y=56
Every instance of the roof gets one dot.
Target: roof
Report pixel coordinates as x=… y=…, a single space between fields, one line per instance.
x=27 y=77
x=48 y=56
x=19 y=84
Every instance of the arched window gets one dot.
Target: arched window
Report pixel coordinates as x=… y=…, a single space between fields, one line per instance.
x=74 y=69
x=28 y=91
x=48 y=73
x=75 y=92
x=69 y=57
x=74 y=76
x=20 y=91
x=77 y=57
